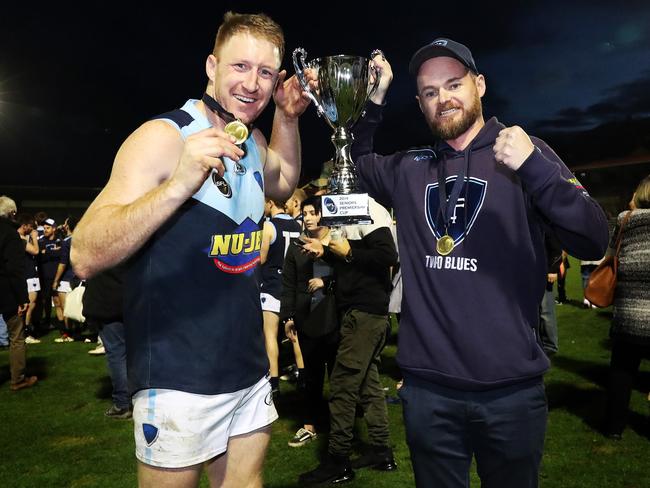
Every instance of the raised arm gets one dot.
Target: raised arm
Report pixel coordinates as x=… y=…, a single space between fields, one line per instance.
x=153 y=174
x=31 y=243
x=282 y=155
x=575 y=218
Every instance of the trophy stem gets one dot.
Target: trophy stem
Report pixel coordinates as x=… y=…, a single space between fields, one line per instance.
x=343 y=179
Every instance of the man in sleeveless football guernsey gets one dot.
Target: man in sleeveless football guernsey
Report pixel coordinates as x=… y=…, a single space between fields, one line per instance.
x=49 y=246
x=472 y=211
x=185 y=204
x=64 y=278
x=27 y=232
x=277 y=233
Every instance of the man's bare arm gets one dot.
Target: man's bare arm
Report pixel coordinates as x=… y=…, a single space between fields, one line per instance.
x=31 y=243
x=282 y=156
x=153 y=174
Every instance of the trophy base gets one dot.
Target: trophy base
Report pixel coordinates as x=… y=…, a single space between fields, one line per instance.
x=347 y=209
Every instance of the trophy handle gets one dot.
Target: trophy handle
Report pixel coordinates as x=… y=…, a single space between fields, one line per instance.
x=375 y=85
x=300 y=67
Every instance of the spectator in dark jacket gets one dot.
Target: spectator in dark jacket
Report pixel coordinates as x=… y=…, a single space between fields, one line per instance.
x=308 y=311
x=13 y=293
x=362 y=260
x=102 y=307
x=547 y=317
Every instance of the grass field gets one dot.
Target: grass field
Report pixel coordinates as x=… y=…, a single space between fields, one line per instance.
x=55 y=434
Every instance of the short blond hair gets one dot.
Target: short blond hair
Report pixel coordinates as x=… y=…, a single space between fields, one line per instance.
x=7 y=206
x=641 y=197
x=298 y=194
x=258 y=25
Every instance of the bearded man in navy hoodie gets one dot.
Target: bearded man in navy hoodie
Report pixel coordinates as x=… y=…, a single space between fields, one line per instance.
x=473 y=272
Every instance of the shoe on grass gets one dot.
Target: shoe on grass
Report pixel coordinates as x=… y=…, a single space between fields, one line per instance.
x=333 y=469
x=302 y=437
x=98 y=351
x=376 y=457
x=118 y=413
x=32 y=340
x=64 y=338
x=27 y=382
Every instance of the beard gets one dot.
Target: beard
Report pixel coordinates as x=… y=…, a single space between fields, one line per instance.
x=450 y=130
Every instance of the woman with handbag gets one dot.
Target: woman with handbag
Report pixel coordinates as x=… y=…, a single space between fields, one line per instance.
x=630 y=330
x=308 y=310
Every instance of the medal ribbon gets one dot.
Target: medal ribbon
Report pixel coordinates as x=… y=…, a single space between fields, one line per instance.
x=446 y=207
x=220 y=111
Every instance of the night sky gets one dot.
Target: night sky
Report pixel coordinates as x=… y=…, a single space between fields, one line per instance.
x=75 y=82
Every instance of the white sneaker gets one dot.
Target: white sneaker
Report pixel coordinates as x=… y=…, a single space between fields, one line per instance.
x=98 y=351
x=32 y=340
x=302 y=437
x=64 y=338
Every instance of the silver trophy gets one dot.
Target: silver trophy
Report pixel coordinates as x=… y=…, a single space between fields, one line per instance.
x=343 y=88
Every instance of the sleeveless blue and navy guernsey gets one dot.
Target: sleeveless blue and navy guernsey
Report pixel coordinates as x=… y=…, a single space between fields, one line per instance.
x=192 y=310
x=286 y=228
x=31 y=271
x=68 y=274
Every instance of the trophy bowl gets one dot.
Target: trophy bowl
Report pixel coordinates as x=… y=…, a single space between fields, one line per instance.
x=344 y=83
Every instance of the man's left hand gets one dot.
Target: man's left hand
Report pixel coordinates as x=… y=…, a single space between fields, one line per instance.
x=289 y=96
x=513 y=147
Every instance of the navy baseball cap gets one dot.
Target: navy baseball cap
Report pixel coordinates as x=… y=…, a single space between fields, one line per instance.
x=442 y=47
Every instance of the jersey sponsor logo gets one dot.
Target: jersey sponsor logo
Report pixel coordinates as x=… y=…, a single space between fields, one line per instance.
x=423 y=154
x=222 y=185
x=465 y=212
x=239 y=251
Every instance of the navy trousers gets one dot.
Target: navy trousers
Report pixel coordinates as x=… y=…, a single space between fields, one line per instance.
x=503 y=428
x=112 y=335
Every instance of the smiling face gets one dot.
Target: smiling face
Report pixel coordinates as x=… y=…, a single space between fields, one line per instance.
x=450 y=98
x=243 y=74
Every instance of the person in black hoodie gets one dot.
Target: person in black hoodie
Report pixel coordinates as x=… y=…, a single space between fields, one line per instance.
x=362 y=259
x=13 y=293
x=472 y=211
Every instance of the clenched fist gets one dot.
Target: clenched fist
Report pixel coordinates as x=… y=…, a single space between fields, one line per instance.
x=512 y=147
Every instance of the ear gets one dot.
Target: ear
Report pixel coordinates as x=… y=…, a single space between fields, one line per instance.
x=480 y=85
x=419 y=103
x=211 y=66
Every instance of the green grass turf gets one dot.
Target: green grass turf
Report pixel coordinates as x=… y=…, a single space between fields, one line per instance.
x=55 y=434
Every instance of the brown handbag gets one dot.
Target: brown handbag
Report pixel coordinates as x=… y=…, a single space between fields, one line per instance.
x=602 y=280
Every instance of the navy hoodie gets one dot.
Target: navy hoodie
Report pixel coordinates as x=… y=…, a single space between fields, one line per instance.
x=470 y=319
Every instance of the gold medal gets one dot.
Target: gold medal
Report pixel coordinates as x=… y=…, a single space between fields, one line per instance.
x=238 y=130
x=445 y=245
